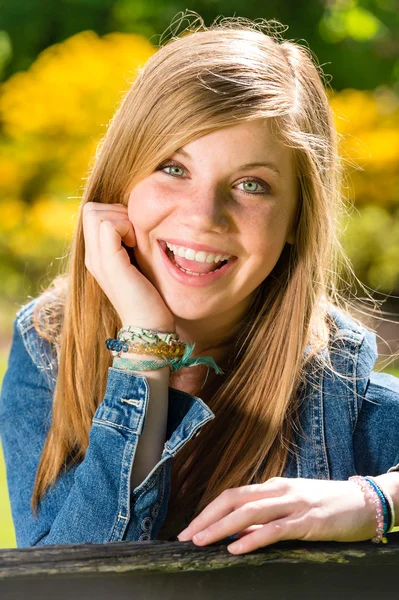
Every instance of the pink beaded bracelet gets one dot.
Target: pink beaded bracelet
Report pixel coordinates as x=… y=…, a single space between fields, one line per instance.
x=370 y=492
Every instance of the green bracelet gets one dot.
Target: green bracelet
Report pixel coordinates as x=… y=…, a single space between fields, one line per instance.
x=174 y=363
x=139 y=365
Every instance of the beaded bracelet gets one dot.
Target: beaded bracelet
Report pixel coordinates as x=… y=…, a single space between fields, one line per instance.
x=370 y=492
x=175 y=357
x=385 y=509
x=159 y=348
x=174 y=363
x=390 y=521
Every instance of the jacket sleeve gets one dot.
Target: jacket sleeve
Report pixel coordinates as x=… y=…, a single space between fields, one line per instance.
x=376 y=436
x=92 y=501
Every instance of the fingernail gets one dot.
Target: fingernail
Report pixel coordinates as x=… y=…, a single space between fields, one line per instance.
x=200 y=536
x=183 y=535
x=236 y=547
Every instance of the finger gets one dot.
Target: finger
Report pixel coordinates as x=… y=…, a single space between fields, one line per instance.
x=111 y=234
x=124 y=228
x=113 y=260
x=92 y=217
x=270 y=533
x=252 y=513
x=232 y=499
x=247 y=530
x=104 y=206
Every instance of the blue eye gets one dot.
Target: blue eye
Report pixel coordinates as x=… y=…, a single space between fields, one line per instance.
x=169 y=166
x=265 y=188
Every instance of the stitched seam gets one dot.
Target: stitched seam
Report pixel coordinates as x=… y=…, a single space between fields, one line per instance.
x=355 y=359
x=27 y=345
x=357 y=338
x=112 y=424
x=298 y=465
x=321 y=428
x=147 y=485
x=24 y=316
x=348 y=389
x=382 y=387
x=182 y=442
x=314 y=434
x=30 y=349
x=118 y=529
x=25 y=326
x=163 y=485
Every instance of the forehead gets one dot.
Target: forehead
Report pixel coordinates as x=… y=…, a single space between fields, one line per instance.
x=248 y=142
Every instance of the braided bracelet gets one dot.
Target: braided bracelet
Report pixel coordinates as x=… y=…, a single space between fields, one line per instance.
x=174 y=363
x=370 y=492
x=146 y=335
x=127 y=364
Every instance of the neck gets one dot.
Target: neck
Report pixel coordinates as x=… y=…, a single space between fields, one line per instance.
x=212 y=337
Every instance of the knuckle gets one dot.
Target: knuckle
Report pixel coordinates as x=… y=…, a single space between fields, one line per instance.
x=282 y=484
x=87 y=207
x=227 y=494
x=251 y=508
x=278 y=528
x=105 y=224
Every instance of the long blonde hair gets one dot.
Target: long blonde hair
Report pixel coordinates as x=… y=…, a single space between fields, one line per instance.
x=234 y=71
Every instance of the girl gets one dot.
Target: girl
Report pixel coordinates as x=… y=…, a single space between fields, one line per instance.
x=200 y=297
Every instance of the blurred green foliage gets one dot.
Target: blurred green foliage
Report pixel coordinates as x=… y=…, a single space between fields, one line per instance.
x=367 y=31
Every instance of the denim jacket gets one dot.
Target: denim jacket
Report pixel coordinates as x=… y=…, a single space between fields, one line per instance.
x=346 y=427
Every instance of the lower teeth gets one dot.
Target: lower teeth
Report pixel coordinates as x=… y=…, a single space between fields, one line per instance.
x=191 y=272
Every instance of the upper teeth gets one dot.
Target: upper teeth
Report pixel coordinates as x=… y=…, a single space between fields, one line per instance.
x=201 y=256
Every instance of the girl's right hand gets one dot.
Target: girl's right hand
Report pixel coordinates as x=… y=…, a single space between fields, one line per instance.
x=135 y=299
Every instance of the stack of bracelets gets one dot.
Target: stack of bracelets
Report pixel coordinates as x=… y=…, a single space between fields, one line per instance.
x=385 y=512
x=167 y=349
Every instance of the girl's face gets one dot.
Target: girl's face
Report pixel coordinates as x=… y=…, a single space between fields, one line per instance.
x=231 y=192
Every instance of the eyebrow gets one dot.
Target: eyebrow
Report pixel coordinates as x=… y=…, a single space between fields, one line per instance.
x=268 y=164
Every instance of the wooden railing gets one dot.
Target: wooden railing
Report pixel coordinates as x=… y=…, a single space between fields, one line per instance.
x=156 y=570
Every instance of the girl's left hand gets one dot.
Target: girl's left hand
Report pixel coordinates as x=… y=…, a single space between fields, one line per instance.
x=285 y=509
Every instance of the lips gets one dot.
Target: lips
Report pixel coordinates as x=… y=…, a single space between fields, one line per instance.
x=193 y=265
x=197 y=247
x=196 y=279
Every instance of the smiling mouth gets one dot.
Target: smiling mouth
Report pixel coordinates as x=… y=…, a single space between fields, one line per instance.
x=196 y=267
x=217 y=266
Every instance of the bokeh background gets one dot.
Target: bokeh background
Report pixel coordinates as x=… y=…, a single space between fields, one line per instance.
x=63 y=69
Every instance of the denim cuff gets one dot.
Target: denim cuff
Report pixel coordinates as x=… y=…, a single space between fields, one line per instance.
x=125 y=402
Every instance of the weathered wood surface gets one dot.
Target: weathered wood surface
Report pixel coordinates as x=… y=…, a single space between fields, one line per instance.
x=181 y=570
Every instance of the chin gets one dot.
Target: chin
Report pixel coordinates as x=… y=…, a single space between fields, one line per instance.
x=191 y=315
x=189 y=312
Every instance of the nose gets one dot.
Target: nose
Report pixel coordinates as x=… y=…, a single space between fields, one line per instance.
x=205 y=210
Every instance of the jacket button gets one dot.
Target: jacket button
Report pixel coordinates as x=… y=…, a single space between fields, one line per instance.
x=146 y=524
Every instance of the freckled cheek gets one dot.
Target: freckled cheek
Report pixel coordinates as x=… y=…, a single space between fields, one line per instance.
x=264 y=229
x=264 y=240
x=146 y=210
